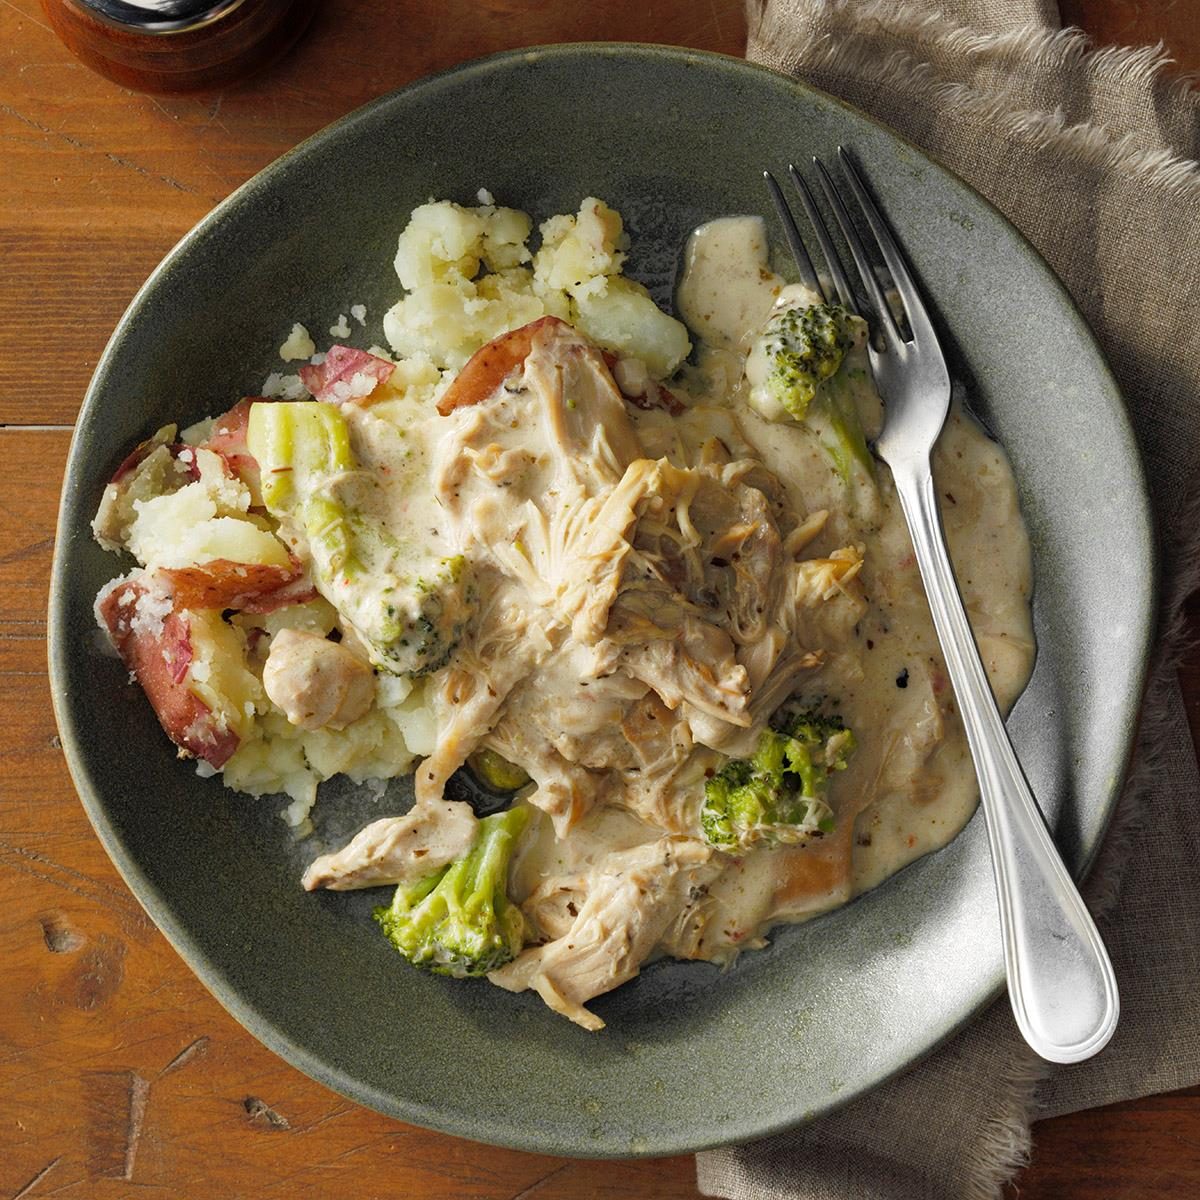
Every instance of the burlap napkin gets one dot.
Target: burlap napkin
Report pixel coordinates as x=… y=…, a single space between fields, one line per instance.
x=1092 y=155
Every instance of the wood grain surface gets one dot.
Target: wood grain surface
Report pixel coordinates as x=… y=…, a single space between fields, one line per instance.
x=120 y=1076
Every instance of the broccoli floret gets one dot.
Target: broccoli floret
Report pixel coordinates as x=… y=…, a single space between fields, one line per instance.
x=803 y=348
x=424 y=615
x=459 y=920
x=409 y=606
x=777 y=797
x=797 y=359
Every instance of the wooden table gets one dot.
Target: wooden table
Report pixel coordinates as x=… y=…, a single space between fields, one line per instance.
x=120 y=1076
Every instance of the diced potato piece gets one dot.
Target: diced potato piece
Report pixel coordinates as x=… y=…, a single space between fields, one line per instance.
x=626 y=320
x=578 y=252
x=201 y=522
x=314 y=616
x=505 y=232
x=299 y=345
x=157 y=521
x=440 y=241
x=415 y=719
x=218 y=673
x=274 y=762
x=156 y=643
x=367 y=740
x=512 y=294
x=414 y=378
x=194 y=435
x=281 y=758
x=391 y=690
x=429 y=321
x=232 y=539
x=447 y=323
x=159 y=473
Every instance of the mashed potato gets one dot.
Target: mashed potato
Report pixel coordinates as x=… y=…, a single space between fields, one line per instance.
x=452 y=308
x=191 y=513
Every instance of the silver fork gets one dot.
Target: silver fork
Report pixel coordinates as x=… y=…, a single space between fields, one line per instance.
x=1060 y=980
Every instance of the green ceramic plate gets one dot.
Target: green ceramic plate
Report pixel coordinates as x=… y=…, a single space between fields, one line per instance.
x=691 y=1057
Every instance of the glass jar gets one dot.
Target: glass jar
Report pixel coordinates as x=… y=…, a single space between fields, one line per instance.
x=178 y=45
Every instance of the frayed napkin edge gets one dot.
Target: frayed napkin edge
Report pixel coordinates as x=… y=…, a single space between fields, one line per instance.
x=1092 y=144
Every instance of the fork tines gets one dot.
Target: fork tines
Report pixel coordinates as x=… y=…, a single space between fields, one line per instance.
x=887 y=247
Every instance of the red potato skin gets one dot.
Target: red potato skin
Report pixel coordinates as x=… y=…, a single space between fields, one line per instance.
x=160 y=664
x=248 y=587
x=341 y=364
x=228 y=439
x=143 y=450
x=491 y=365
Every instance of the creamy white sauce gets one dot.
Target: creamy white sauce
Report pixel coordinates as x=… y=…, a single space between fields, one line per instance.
x=727 y=289
x=911 y=786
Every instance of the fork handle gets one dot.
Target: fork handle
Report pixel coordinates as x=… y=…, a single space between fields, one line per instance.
x=1060 y=979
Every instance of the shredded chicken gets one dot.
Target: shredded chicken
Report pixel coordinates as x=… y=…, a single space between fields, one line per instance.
x=397 y=849
x=626 y=907
x=662 y=569
x=638 y=590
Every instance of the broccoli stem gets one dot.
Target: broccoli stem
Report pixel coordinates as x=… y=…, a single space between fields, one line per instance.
x=408 y=603
x=850 y=443
x=299 y=446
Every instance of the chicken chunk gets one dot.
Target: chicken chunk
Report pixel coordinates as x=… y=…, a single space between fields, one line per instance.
x=317 y=683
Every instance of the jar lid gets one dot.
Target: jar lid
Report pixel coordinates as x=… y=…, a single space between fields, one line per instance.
x=160 y=16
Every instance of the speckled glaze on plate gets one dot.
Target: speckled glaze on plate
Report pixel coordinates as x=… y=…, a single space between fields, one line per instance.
x=691 y=1057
